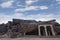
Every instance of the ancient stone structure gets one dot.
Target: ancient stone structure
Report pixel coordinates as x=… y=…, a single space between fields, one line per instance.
x=20 y=27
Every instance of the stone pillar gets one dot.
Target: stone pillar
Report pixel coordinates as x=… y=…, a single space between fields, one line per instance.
x=52 y=30
x=45 y=30
x=39 y=30
x=24 y=33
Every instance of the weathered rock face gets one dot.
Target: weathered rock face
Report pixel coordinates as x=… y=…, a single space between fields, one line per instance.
x=13 y=29
x=3 y=29
x=17 y=27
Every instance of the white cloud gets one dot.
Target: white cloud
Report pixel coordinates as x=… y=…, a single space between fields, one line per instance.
x=29 y=2
x=18 y=14
x=20 y=5
x=31 y=8
x=5 y=18
x=57 y=0
x=40 y=17
x=7 y=4
x=43 y=7
x=27 y=8
x=43 y=17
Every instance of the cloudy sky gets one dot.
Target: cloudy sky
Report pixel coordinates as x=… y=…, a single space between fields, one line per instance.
x=29 y=9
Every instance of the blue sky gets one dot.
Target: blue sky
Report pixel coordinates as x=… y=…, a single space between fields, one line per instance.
x=30 y=10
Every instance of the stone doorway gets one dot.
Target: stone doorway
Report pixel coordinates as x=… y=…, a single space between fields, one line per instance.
x=49 y=31
x=42 y=30
x=46 y=30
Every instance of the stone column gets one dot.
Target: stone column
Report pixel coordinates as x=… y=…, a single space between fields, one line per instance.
x=24 y=33
x=52 y=30
x=45 y=30
x=39 y=30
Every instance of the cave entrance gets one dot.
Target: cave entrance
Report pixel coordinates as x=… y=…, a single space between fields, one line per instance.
x=33 y=32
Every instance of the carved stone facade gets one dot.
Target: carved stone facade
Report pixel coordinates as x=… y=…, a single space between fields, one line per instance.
x=19 y=27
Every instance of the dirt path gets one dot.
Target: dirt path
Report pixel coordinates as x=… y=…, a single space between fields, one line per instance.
x=24 y=38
